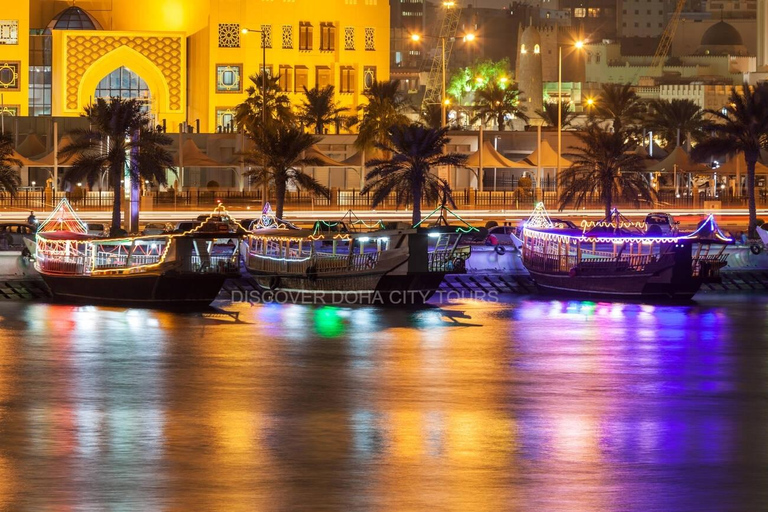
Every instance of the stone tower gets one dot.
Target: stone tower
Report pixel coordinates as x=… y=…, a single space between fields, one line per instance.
x=529 y=72
x=762 y=37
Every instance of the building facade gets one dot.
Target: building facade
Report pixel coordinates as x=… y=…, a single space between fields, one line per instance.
x=189 y=60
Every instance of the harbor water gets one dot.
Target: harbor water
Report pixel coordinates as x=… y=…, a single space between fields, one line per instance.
x=517 y=404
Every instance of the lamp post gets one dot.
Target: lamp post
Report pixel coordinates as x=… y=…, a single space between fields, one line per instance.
x=578 y=45
x=263 y=73
x=265 y=187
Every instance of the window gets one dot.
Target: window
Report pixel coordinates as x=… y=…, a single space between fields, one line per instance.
x=347 y=81
x=225 y=118
x=9 y=76
x=9 y=32
x=305 y=36
x=228 y=77
x=523 y=49
x=579 y=12
x=266 y=69
x=327 y=37
x=536 y=49
x=594 y=12
x=370 y=39
x=266 y=35
x=648 y=25
x=123 y=83
x=322 y=76
x=369 y=77
x=285 y=78
x=287 y=37
x=349 y=38
x=229 y=35
x=300 y=79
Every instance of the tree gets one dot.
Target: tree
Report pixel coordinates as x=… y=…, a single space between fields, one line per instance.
x=416 y=150
x=549 y=114
x=742 y=126
x=248 y=113
x=280 y=155
x=385 y=108
x=318 y=109
x=431 y=115
x=676 y=120
x=9 y=177
x=620 y=104
x=466 y=81
x=497 y=102
x=121 y=139
x=605 y=166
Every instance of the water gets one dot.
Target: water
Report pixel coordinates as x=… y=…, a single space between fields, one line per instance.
x=524 y=405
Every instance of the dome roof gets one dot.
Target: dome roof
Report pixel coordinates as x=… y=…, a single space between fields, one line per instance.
x=73 y=18
x=530 y=37
x=721 y=34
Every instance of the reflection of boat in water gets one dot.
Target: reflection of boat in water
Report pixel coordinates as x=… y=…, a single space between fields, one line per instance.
x=172 y=270
x=390 y=266
x=616 y=258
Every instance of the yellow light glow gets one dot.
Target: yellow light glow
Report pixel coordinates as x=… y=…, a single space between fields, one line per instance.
x=503 y=79
x=590 y=101
x=244 y=31
x=447 y=101
x=449 y=4
x=578 y=45
x=415 y=37
x=469 y=37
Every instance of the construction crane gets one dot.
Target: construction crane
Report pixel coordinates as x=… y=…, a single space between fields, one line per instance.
x=666 y=38
x=441 y=55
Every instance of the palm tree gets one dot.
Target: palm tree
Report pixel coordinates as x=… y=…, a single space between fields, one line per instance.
x=385 y=108
x=248 y=114
x=742 y=126
x=279 y=155
x=620 y=104
x=431 y=115
x=9 y=177
x=604 y=166
x=416 y=150
x=675 y=119
x=497 y=103
x=121 y=136
x=318 y=109
x=549 y=114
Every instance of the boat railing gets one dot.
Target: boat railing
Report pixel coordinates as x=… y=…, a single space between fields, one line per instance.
x=322 y=263
x=708 y=266
x=567 y=262
x=447 y=260
x=72 y=265
x=105 y=260
x=213 y=264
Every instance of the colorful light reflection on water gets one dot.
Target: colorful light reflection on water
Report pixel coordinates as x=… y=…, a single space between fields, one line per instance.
x=546 y=405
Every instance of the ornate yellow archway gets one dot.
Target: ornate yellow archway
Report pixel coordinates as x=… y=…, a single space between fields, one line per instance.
x=136 y=62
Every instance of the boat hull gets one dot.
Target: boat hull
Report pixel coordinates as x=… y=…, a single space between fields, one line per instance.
x=624 y=287
x=371 y=288
x=157 y=289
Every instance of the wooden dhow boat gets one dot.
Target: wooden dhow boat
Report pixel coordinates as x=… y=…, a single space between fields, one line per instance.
x=170 y=270
x=616 y=259
x=325 y=265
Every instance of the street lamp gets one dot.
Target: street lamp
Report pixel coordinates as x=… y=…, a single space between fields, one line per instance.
x=263 y=73
x=578 y=45
x=265 y=188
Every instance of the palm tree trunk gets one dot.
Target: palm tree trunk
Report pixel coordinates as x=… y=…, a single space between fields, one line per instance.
x=608 y=197
x=117 y=176
x=416 y=218
x=751 y=158
x=280 y=199
x=500 y=122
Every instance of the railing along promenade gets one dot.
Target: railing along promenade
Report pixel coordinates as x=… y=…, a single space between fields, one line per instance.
x=464 y=199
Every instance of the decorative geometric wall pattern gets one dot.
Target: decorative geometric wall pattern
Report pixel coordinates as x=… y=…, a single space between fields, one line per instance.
x=9 y=76
x=9 y=31
x=349 y=38
x=369 y=77
x=229 y=35
x=163 y=52
x=266 y=35
x=228 y=78
x=370 y=38
x=287 y=37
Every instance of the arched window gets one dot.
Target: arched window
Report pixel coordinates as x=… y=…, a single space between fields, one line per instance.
x=522 y=48
x=124 y=83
